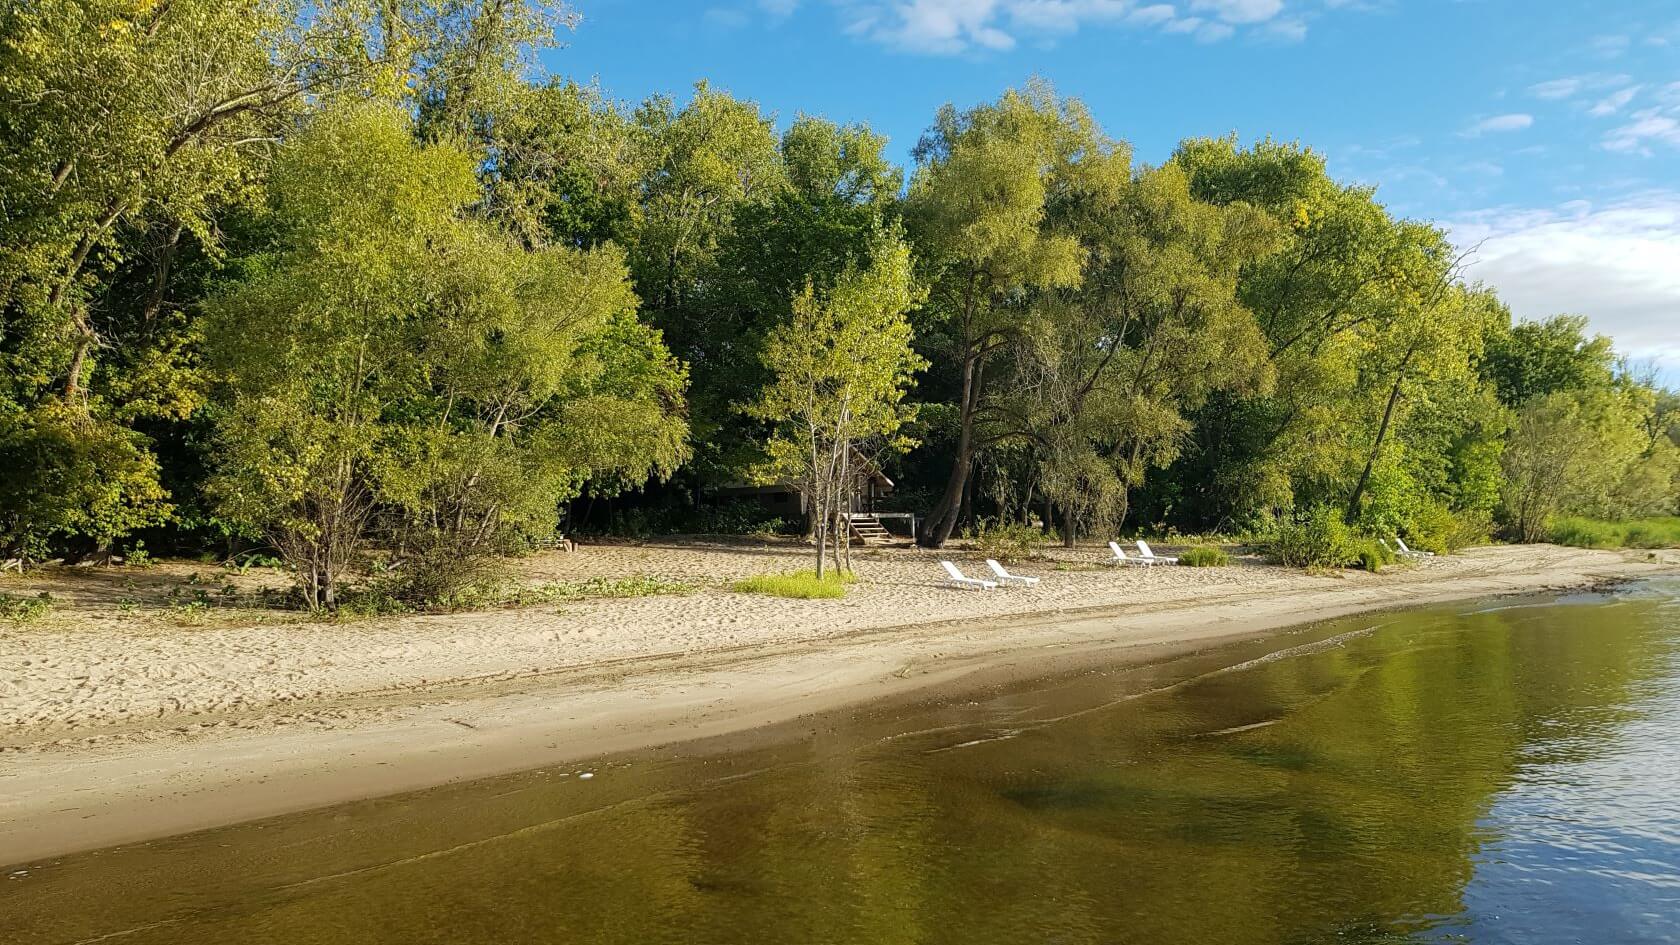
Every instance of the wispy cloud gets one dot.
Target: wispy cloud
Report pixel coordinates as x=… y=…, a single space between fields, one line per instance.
x=1567 y=87
x=1556 y=89
x=946 y=27
x=1614 y=102
x=1500 y=124
x=1613 y=263
x=1651 y=126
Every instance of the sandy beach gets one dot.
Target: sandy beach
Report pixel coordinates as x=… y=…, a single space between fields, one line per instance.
x=124 y=717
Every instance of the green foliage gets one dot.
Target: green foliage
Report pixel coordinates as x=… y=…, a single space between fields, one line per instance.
x=1582 y=453
x=1534 y=359
x=733 y=518
x=1203 y=556
x=25 y=609
x=1594 y=533
x=841 y=368
x=421 y=377
x=1316 y=538
x=1372 y=555
x=804 y=585
x=72 y=475
x=1008 y=541
x=346 y=279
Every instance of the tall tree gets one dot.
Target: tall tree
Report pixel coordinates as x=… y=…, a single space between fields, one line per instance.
x=1109 y=372
x=977 y=212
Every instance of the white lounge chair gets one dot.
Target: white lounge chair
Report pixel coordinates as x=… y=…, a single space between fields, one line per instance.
x=1152 y=557
x=1004 y=577
x=1409 y=552
x=1121 y=558
x=963 y=580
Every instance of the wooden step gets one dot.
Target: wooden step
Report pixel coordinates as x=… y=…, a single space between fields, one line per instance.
x=867 y=529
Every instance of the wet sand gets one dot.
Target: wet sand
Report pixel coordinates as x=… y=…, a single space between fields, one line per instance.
x=120 y=724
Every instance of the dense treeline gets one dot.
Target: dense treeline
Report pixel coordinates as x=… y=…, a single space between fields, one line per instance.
x=347 y=277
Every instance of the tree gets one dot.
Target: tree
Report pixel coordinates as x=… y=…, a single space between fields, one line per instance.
x=1533 y=359
x=418 y=375
x=977 y=215
x=129 y=131
x=838 y=207
x=841 y=368
x=1318 y=299
x=1568 y=452
x=1108 y=372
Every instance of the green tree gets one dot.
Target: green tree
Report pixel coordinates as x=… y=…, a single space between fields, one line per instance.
x=841 y=368
x=418 y=375
x=1108 y=373
x=1533 y=359
x=1570 y=452
x=977 y=212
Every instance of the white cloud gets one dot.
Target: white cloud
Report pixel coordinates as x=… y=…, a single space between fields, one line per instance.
x=1612 y=46
x=780 y=9
x=1617 y=264
x=1555 y=89
x=1240 y=11
x=1648 y=127
x=1615 y=102
x=1153 y=14
x=956 y=26
x=1499 y=123
x=1569 y=86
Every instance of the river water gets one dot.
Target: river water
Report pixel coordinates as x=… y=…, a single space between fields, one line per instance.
x=1488 y=773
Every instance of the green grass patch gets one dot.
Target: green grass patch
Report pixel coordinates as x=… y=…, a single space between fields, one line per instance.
x=25 y=609
x=1582 y=532
x=799 y=584
x=1203 y=556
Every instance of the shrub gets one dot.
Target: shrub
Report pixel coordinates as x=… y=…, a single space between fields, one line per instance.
x=1009 y=541
x=1581 y=532
x=799 y=584
x=1317 y=538
x=1372 y=555
x=25 y=609
x=1204 y=556
x=736 y=518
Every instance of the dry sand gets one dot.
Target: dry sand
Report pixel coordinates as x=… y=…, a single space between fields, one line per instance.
x=124 y=718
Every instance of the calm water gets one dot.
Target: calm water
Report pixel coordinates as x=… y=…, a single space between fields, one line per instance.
x=1502 y=773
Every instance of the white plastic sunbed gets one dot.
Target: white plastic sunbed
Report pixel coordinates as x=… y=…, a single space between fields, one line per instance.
x=1409 y=552
x=1120 y=556
x=1005 y=577
x=963 y=580
x=1152 y=557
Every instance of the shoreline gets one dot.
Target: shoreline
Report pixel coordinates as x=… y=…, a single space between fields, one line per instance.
x=124 y=785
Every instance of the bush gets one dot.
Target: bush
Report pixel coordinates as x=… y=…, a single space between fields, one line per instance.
x=734 y=518
x=1581 y=532
x=1372 y=555
x=25 y=609
x=799 y=584
x=1317 y=538
x=1009 y=541
x=1204 y=556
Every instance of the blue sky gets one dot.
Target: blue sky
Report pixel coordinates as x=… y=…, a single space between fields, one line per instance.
x=1547 y=132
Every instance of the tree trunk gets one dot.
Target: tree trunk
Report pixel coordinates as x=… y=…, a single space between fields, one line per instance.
x=1376 y=447
x=942 y=519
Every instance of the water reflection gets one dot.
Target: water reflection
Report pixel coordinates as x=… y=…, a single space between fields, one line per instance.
x=1508 y=775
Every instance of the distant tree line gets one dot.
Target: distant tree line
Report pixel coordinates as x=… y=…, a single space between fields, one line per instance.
x=341 y=277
